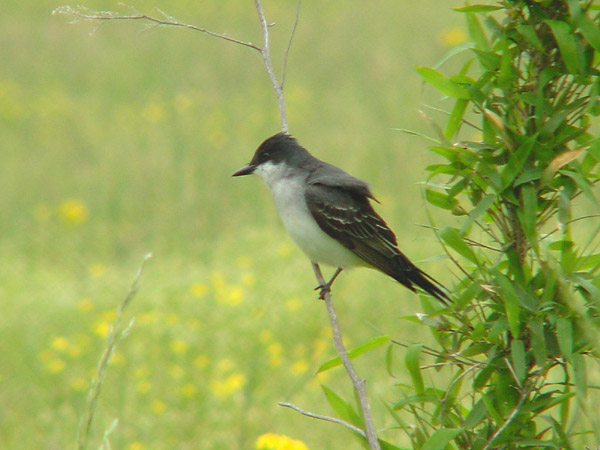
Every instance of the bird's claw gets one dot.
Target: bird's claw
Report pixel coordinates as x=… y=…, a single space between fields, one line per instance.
x=323 y=289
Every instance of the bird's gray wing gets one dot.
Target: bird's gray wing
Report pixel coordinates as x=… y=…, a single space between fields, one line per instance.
x=340 y=206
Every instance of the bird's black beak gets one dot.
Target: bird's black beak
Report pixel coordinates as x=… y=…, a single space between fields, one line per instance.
x=246 y=170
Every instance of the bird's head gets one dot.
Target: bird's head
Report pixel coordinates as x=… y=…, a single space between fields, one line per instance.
x=275 y=156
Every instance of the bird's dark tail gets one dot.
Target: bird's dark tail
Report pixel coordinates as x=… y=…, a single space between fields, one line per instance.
x=410 y=276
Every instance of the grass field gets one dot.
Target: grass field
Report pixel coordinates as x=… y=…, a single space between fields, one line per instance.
x=116 y=143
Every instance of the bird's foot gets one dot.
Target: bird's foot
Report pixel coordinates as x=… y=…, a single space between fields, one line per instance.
x=323 y=289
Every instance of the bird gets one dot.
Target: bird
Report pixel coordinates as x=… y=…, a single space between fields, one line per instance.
x=328 y=214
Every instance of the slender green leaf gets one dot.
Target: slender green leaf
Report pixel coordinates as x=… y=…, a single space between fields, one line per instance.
x=580 y=375
x=456 y=118
x=511 y=303
x=476 y=32
x=590 y=31
x=528 y=214
x=588 y=262
x=341 y=407
x=481 y=208
x=411 y=360
x=443 y=83
x=385 y=445
x=566 y=44
x=440 y=438
x=477 y=8
x=416 y=398
x=538 y=341
x=357 y=351
x=528 y=33
x=454 y=240
x=517 y=353
x=475 y=416
x=515 y=164
x=564 y=334
x=440 y=199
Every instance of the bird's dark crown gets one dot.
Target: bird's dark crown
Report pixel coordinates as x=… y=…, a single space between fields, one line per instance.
x=280 y=148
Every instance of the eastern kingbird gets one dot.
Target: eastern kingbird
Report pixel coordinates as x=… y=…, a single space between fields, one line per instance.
x=327 y=212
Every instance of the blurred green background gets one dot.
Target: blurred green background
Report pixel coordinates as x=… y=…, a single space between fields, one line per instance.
x=116 y=142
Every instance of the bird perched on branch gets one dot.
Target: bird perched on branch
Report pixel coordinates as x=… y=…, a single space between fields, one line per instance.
x=328 y=213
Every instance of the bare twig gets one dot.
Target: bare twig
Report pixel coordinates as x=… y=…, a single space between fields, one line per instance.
x=117 y=332
x=287 y=50
x=325 y=418
x=266 y=54
x=359 y=383
x=82 y=13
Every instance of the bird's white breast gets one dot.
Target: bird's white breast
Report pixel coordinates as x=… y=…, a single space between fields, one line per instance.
x=288 y=193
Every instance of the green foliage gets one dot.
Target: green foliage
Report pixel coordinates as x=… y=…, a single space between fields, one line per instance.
x=516 y=346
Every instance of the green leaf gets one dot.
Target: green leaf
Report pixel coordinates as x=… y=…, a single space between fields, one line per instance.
x=341 y=407
x=529 y=34
x=440 y=438
x=443 y=83
x=517 y=353
x=475 y=416
x=566 y=44
x=476 y=32
x=580 y=375
x=440 y=200
x=506 y=74
x=515 y=164
x=411 y=360
x=481 y=208
x=590 y=31
x=528 y=214
x=538 y=341
x=357 y=351
x=588 y=262
x=453 y=239
x=387 y=446
x=456 y=118
x=564 y=334
x=477 y=8
x=511 y=303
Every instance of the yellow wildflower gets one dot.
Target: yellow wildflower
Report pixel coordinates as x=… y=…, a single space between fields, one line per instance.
x=153 y=113
x=73 y=211
x=143 y=386
x=56 y=365
x=198 y=290
x=158 y=407
x=136 y=446
x=299 y=367
x=97 y=270
x=178 y=346
x=79 y=384
x=293 y=305
x=453 y=37
x=60 y=343
x=272 y=441
x=188 y=390
x=248 y=279
x=85 y=304
x=201 y=361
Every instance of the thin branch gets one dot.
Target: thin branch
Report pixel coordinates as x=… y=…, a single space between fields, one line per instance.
x=287 y=50
x=510 y=418
x=117 y=332
x=359 y=383
x=266 y=54
x=83 y=13
x=325 y=418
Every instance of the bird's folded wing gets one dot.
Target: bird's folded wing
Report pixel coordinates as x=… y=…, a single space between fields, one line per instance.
x=345 y=214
